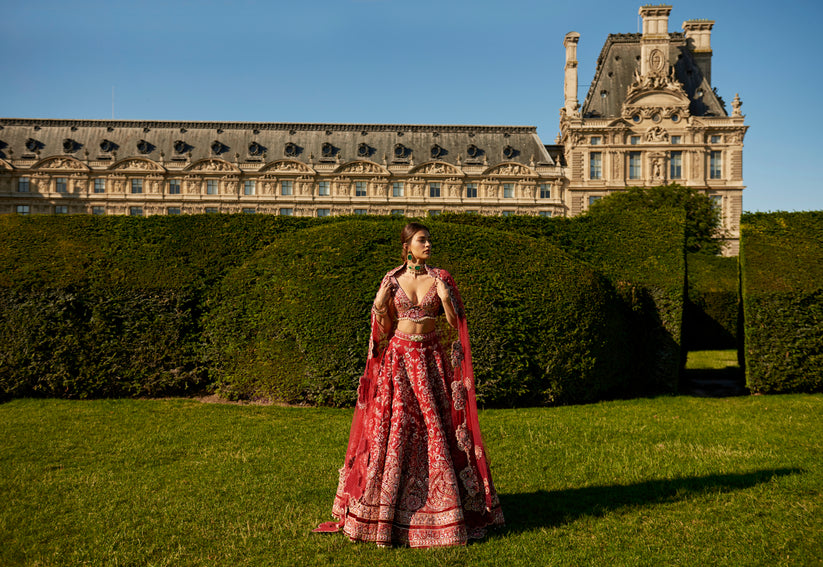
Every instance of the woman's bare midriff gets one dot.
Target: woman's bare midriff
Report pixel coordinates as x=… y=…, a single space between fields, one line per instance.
x=416 y=328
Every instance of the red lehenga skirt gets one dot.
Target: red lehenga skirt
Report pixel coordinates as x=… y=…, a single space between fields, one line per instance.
x=422 y=485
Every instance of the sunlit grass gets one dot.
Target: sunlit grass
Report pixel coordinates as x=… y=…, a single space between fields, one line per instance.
x=666 y=481
x=711 y=360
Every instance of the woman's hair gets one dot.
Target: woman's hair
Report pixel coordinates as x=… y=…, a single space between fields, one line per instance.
x=408 y=232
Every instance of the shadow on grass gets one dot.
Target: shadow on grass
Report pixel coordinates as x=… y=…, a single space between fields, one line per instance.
x=527 y=511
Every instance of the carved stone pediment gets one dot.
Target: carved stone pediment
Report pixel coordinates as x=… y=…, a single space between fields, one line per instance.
x=510 y=169
x=212 y=165
x=361 y=168
x=65 y=163
x=136 y=164
x=287 y=166
x=5 y=166
x=653 y=95
x=437 y=168
x=656 y=134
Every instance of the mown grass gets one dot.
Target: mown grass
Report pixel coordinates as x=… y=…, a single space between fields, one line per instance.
x=665 y=481
x=712 y=360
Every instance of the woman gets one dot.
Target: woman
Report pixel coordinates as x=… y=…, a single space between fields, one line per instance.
x=416 y=471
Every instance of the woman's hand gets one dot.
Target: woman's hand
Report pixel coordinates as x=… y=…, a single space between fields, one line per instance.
x=381 y=301
x=442 y=290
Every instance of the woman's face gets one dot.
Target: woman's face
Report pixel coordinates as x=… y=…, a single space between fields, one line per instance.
x=420 y=245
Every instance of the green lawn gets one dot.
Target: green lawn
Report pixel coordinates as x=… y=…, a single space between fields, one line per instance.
x=664 y=481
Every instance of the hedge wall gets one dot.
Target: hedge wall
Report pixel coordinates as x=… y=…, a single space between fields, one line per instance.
x=782 y=283
x=116 y=306
x=642 y=254
x=292 y=323
x=713 y=304
x=111 y=306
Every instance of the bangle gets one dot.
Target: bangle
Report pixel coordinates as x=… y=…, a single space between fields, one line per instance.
x=378 y=311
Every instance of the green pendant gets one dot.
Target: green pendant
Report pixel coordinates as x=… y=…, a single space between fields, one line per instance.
x=410 y=257
x=417 y=268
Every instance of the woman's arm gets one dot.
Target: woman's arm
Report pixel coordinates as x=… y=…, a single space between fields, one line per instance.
x=445 y=299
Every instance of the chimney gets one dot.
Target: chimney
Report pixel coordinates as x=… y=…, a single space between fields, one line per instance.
x=654 y=44
x=699 y=42
x=571 y=104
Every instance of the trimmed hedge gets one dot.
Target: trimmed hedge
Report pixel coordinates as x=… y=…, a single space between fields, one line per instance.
x=713 y=303
x=642 y=254
x=292 y=323
x=116 y=306
x=111 y=306
x=782 y=287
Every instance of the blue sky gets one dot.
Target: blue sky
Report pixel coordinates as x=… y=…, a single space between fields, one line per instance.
x=387 y=61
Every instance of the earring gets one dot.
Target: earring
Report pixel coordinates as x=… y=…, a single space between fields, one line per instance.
x=410 y=258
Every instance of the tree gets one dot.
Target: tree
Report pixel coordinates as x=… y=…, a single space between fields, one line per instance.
x=702 y=216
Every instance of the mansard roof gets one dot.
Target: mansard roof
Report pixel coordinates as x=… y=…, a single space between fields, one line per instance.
x=241 y=142
x=620 y=58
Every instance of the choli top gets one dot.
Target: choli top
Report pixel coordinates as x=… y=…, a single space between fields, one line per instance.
x=428 y=308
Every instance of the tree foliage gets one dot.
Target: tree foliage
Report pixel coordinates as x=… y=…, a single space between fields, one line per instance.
x=702 y=217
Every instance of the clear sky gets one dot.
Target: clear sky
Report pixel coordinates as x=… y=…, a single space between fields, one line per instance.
x=388 y=61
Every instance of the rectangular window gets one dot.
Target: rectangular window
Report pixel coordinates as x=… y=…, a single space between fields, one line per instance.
x=545 y=213
x=675 y=165
x=23 y=185
x=249 y=211
x=593 y=199
x=136 y=211
x=508 y=190
x=99 y=185
x=323 y=189
x=507 y=213
x=286 y=212
x=595 y=165
x=434 y=189
x=323 y=212
x=211 y=210
x=716 y=139
x=211 y=187
x=286 y=187
x=545 y=191
x=595 y=140
x=676 y=139
x=716 y=165
x=173 y=211
x=249 y=187
x=22 y=209
x=717 y=202
x=471 y=190
x=471 y=212
x=137 y=186
x=361 y=211
x=61 y=210
x=634 y=140
x=62 y=185
x=174 y=186
x=98 y=211
x=434 y=213
x=634 y=165
x=397 y=189
x=397 y=212
x=359 y=188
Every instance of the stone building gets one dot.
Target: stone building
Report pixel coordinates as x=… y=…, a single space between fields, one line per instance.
x=650 y=117
x=148 y=168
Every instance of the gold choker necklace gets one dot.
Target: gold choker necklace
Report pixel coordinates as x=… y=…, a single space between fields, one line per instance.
x=417 y=270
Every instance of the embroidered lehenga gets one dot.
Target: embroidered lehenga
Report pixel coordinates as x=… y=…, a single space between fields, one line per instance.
x=416 y=471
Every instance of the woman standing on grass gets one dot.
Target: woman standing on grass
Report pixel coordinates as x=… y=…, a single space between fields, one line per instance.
x=416 y=472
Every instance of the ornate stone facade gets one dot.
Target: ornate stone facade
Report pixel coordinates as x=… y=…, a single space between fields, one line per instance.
x=650 y=117
x=147 y=168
